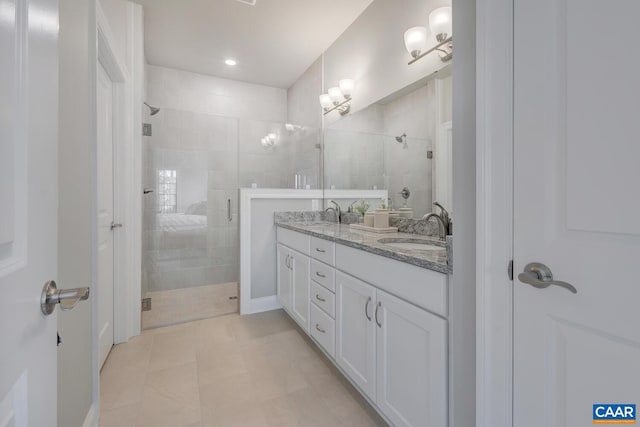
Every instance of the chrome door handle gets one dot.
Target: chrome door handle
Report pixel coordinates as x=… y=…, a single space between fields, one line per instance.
x=539 y=276
x=366 y=309
x=378 y=308
x=67 y=298
x=320 y=250
x=229 y=216
x=115 y=225
x=286 y=262
x=320 y=275
x=320 y=330
x=319 y=298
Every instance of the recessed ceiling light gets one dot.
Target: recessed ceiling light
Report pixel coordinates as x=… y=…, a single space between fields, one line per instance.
x=231 y=62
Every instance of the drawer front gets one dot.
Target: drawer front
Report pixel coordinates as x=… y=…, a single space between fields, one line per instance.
x=323 y=250
x=324 y=275
x=297 y=241
x=422 y=287
x=323 y=330
x=323 y=298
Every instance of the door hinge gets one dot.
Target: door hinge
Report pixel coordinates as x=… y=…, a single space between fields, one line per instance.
x=510 y=270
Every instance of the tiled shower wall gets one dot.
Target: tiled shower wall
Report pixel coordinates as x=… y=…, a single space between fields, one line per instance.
x=209 y=131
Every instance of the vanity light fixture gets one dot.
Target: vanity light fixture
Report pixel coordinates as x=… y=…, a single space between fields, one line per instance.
x=440 y=24
x=231 y=62
x=338 y=98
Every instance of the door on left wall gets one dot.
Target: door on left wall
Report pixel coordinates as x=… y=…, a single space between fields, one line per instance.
x=106 y=225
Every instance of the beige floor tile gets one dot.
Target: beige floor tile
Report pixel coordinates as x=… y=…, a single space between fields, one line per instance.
x=173 y=348
x=125 y=416
x=311 y=410
x=228 y=391
x=121 y=386
x=178 y=382
x=222 y=361
x=280 y=413
x=158 y=410
x=248 y=414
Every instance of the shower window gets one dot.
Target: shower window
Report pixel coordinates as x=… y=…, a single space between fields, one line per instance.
x=168 y=191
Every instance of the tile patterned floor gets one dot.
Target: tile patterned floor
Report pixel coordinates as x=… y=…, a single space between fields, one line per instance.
x=227 y=371
x=188 y=304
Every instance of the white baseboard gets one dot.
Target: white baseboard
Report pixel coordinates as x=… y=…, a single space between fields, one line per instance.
x=259 y=305
x=91 y=420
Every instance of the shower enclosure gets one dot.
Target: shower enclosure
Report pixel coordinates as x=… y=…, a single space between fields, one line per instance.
x=194 y=165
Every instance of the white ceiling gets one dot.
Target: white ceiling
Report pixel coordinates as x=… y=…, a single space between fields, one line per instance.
x=274 y=41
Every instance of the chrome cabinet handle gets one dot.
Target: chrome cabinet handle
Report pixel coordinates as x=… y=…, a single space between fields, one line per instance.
x=320 y=250
x=320 y=275
x=539 y=276
x=320 y=330
x=366 y=309
x=115 y=225
x=319 y=298
x=229 y=217
x=67 y=298
x=287 y=263
x=377 y=308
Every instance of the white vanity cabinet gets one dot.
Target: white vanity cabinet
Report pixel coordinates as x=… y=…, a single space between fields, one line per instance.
x=382 y=321
x=293 y=279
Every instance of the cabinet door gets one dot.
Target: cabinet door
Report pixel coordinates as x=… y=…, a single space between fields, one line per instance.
x=411 y=363
x=356 y=331
x=300 y=285
x=284 y=277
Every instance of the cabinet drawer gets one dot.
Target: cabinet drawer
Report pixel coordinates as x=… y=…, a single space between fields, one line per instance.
x=323 y=274
x=323 y=298
x=297 y=241
x=323 y=330
x=323 y=250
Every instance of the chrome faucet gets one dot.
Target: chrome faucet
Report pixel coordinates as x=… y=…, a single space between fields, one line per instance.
x=443 y=219
x=336 y=209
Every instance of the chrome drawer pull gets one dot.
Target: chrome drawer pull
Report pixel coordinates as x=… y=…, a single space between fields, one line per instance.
x=320 y=330
x=366 y=309
x=320 y=250
x=320 y=299
x=320 y=275
x=377 y=308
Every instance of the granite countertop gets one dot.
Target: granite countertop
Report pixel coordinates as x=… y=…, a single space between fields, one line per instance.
x=435 y=260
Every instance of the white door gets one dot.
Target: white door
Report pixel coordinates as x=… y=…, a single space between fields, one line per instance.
x=284 y=290
x=356 y=331
x=576 y=208
x=105 y=212
x=300 y=301
x=411 y=364
x=28 y=210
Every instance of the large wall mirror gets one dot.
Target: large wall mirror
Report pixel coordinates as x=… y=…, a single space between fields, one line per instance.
x=401 y=143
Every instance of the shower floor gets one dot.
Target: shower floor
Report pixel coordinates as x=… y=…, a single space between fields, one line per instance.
x=186 y=305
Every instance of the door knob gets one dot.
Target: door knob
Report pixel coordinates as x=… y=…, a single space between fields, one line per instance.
x=67 y=298
x=539 y=276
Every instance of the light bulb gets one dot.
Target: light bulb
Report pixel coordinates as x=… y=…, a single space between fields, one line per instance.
x=230 y=62
x=440 y=23
x=325 y=101
x=271 y=138
x=335 y=94
x=415 y=40
x=346 y=87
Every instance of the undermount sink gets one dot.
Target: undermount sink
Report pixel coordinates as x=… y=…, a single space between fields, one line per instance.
x=411 y=244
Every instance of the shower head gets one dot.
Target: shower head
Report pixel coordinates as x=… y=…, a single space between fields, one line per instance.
x=402 y=139
x=154 y=110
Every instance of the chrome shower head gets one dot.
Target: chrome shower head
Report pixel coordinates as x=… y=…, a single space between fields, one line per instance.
x=402 y=138
x=154 y=110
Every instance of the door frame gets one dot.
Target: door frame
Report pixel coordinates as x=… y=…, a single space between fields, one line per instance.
x=127 y=187
x=494 y=220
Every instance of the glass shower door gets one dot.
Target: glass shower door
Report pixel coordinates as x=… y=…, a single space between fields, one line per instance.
x=190 y=259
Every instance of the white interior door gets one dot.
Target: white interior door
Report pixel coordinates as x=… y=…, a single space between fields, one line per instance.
x=577 y=208
x=28 y=209
x=105 y=212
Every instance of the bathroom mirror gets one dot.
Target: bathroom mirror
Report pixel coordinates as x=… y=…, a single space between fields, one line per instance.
x=402 y=142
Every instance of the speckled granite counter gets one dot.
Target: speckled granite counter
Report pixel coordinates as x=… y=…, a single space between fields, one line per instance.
x=316 y=226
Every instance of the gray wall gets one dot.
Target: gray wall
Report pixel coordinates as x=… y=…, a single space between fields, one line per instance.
x=462 y=282
x=75 y=210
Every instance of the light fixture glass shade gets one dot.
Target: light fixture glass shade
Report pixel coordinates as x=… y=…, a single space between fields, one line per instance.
x=272 y=138
x=415 y=40
x=440 y=22
x=264 y=142
x=346 y=87
x=335 y=94
x=325 y=101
